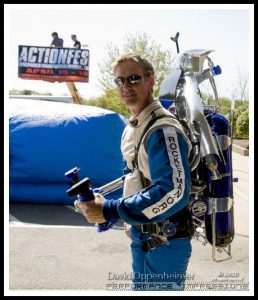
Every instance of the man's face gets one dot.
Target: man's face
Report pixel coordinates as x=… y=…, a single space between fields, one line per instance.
x=73 y=38
x=135 y=96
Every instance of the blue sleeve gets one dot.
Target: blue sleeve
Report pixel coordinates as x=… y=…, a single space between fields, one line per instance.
x=167 y=153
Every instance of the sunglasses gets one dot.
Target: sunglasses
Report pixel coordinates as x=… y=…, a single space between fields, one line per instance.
x=132 y=79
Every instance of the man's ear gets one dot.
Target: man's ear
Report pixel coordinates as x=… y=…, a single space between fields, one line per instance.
x=151 y=81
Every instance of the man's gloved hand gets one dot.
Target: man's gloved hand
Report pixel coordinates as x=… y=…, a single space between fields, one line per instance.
x=92 y=210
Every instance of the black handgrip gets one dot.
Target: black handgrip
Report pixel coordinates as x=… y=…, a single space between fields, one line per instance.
x=81 y=187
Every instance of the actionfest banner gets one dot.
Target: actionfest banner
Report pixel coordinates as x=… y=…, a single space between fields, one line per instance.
x=53 y=64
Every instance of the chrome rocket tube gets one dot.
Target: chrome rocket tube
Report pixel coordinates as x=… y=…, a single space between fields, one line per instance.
x=183 y=83
x=111 y=186
x=195 y=114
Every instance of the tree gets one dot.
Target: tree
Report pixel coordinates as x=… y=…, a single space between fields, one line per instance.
x=244 y=120
x=111 y=101
x=14 y=92
x=27 y=92
x=139 y=43
x=242 y=124
x=241 y=88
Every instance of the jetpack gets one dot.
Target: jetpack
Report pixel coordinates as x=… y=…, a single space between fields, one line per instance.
x=211 y=198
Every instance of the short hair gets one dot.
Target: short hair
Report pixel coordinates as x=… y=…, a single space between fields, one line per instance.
x=55 y=33
x=73 y=35
x=134 y=57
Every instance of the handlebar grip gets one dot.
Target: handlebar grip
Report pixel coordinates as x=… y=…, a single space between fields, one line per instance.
x=80 y=188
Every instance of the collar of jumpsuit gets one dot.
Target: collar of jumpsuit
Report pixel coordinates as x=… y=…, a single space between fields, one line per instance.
x=143 y=115
x=152 y=111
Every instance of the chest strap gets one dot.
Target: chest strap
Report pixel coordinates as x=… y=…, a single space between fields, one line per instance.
x=145 y=181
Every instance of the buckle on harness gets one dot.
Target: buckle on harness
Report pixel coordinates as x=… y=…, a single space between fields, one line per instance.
x=165 y=228
x=150 y=228
x=153 y=242
x=169 y=229
x=160 y=231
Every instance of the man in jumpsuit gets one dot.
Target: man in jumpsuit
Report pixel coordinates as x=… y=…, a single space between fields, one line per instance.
x=157 y=185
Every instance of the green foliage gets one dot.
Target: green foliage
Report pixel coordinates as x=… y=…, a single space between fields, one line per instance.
x=139 y=43
x=242 y=124
x=111 y=101
x=243 y=104
x=27 y=92
x=225 y=105
x=241 y=121
x=240 y=114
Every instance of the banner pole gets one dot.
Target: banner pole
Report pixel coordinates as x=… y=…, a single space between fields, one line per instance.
x=74 y=92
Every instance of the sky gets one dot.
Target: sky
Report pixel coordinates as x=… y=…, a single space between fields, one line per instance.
x=226 y=29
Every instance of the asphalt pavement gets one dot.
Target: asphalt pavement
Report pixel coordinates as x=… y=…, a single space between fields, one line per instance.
x=53 y=251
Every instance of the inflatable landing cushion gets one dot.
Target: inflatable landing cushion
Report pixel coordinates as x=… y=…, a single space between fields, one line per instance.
x=49 y=138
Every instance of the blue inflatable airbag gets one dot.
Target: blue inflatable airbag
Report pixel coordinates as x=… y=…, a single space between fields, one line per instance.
x=49 y=138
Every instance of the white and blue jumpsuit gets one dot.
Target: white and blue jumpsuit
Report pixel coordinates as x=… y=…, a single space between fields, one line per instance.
x=163 y=160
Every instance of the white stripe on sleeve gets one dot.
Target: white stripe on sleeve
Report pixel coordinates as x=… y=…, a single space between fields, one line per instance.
x=178 y=177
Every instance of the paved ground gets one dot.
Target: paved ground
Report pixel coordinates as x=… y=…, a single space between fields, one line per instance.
x=54 y=249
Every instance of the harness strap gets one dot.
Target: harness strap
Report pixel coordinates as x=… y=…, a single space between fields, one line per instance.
x=178 y=225
x=152 y=243
x=156 y=240
x=145 y=182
